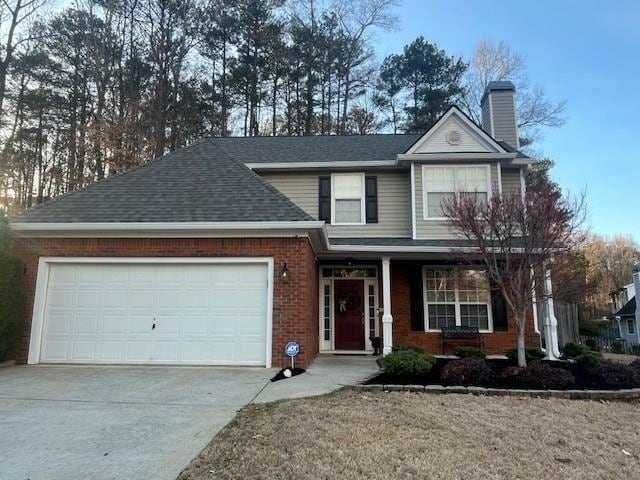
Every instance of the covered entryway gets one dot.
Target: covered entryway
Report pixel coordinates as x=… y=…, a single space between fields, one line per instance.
x=349 y=315
x=153 y=311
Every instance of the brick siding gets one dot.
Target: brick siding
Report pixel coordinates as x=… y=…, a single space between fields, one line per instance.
x=494 y=343
x=295 y=302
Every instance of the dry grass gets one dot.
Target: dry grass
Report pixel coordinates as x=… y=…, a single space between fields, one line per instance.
x=376 y=435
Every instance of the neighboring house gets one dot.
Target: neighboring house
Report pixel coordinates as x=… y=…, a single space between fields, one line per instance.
x=626 y=316
x=221 y=252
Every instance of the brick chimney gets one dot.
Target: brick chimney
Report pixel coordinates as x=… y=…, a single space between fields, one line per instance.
x=499 y=112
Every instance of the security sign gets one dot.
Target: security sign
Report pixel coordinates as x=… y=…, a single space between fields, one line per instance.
x=292 y=349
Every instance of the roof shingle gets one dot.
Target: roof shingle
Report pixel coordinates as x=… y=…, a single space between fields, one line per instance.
x=199 y=183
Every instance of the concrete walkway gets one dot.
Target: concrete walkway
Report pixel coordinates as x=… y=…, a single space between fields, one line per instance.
x=326 y=374
x=100 y=422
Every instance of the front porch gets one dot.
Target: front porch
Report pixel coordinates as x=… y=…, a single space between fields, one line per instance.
x=404 y=301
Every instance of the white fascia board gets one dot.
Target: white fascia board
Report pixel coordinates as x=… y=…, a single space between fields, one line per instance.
x=398 y=249
x=316 y=165
x=454 y=157
x=404 y=249
x=169 y=229
x=523 y=161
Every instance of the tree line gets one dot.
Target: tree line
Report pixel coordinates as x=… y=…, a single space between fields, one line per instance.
x=101 y=86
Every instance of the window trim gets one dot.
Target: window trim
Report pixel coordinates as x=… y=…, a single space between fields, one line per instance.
x=456 y=302
x=363 y=213
x=425 y=210
x=631 y=322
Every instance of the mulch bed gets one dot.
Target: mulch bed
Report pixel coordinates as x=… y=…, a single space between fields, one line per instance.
x=582 y=379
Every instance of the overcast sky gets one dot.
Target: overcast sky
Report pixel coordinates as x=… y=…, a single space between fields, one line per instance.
x=587 y=52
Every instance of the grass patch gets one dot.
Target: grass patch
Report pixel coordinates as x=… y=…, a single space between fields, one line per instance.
x=377 y=435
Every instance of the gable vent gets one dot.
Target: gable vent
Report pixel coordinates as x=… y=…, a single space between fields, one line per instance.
x=454 y=137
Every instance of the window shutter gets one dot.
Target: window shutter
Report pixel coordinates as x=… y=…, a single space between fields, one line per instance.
x=324 y=199
x=498 y=309
x=416 y=297
x=371 y=199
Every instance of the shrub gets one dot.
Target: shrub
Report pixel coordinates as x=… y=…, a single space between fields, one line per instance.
x=12 y=296
x=531 y=354
x=635 y=349
x=464 y=352
x=592 y=344
x=573 y=350
x=589 y=358
x=467 y=371
x=405 y=348
x=612 y=376
x=408 y=362
x=635 y=365
x=538 y=375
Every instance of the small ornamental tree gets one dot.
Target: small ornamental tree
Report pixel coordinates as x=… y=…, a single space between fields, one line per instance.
x=516 y=239
x=12 y=295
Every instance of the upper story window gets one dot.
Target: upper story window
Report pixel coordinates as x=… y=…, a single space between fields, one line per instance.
x=443 y=183
x=348 y=199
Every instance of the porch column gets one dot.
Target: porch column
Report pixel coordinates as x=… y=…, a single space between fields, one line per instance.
x=550 y=324
x=387 y=319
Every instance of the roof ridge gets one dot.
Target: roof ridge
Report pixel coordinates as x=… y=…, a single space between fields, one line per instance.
x=235 y=137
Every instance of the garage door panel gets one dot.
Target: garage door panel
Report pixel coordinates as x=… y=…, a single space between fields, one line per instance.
x=205 y=313
x=85 y=323
x=110 y=351
x=59 y=323
x=83 y=350
x=194 y=351
x=142 y=298
x=166 y=351
x=55 y=350
x=137 y=350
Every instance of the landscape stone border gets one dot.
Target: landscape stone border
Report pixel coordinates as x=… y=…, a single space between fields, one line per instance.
x=626 y=394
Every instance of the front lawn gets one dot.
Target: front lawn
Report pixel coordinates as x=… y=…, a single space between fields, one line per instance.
x=377 y=435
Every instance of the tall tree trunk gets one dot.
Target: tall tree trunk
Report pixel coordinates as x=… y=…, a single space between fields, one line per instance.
x=520 y=323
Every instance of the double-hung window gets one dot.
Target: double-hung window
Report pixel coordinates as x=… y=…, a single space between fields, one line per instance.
x=457 y=297
x=348 y=198
x=443 y=183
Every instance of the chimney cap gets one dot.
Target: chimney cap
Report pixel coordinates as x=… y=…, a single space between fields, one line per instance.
x=498 y=86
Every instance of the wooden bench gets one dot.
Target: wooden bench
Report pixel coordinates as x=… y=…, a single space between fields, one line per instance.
x=461 y=336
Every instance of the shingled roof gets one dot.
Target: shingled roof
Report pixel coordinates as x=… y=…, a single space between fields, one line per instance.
x=628 y=309
x=318 y=148
x=199 y=183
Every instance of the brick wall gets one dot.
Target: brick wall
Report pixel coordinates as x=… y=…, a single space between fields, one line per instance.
x=295 y=302
x=494 y=343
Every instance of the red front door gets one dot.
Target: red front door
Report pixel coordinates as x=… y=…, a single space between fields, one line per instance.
x=349 y=314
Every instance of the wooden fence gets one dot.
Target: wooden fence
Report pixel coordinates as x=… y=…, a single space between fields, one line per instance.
x=568 y=315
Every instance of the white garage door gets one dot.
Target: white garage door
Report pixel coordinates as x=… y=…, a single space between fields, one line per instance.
x=209 y=314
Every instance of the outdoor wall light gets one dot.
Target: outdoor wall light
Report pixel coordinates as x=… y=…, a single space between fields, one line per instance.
x=284 y=273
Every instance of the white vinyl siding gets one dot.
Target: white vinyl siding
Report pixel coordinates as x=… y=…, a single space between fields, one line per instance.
x=511 y=181
x=470 y=141
x=394 y=202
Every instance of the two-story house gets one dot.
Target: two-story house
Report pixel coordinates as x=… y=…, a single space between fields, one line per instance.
x=626 y=315
x=223 y=251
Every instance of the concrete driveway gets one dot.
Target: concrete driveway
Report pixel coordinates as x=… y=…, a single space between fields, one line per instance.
x=76 y=422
